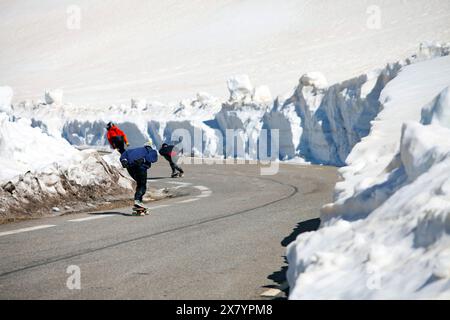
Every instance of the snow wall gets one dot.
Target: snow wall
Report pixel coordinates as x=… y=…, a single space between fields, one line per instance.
x=387 y=234
x=318 y=123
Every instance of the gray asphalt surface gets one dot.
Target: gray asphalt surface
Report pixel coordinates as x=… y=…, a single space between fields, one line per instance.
x=224 y=239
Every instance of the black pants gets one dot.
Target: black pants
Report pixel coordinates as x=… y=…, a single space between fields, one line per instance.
x=174 y=166
x=118 y=142
x=139 y=174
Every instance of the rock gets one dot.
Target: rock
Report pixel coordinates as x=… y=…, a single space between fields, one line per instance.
x=54 y=97
x=314 y=79
x=56 y=209
x=9 y=187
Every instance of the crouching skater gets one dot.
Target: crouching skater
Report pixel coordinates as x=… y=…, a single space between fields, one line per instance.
x=137 y=161
x=116 y=137
x=169 y=153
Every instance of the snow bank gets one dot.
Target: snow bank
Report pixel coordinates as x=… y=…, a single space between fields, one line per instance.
x=39 y=171
x=320 y=123
x=243 y=123
x=386 y=236
x=86 y=126
x=23 y=148
x=332 y=119
x=369 y=159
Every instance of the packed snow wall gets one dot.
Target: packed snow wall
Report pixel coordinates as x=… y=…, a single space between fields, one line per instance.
x=93 y=133
x=317 y=122
x=388 y=230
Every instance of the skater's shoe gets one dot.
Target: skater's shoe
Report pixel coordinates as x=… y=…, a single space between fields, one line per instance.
x=181 y=174
x=140 y=209
x=175 y=175
x=139 y=204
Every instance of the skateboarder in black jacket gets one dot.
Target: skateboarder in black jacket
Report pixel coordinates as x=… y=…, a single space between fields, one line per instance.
x=168 y=152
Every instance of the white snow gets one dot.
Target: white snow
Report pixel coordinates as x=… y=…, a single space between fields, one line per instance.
x=6 y=95
x=23 y=148
x=26 y=149
x=262 y=95
x=438 y=111
x=38 y=169
x=387 y=235
x=168 y=50
x=240 y=87
x=402 y=100
x=318 y=122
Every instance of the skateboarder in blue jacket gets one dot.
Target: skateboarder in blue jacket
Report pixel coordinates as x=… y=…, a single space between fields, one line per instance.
x=137 y=162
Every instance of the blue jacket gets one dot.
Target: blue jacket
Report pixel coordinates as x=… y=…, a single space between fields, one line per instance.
x=143 y=156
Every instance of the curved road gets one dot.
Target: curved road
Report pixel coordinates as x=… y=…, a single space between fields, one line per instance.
x=223 y=238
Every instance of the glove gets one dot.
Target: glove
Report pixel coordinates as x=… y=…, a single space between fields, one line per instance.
x=124 y=163
x=128 y=144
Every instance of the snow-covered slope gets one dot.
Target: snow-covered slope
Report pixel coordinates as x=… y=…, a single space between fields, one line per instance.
x=168 y=50
x=387 y=235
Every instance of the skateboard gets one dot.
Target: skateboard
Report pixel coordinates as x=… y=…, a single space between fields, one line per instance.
x=138 y=211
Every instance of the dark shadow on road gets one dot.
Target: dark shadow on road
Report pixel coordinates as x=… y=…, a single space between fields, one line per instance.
x=110 y=213
x=158 y=178
x=279 y=277
x=302 y=227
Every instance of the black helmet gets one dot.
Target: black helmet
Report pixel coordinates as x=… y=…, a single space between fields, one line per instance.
x=109 y=125
x=165 y=145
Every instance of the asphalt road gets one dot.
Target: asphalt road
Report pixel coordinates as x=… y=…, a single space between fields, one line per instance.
x=224 y=238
